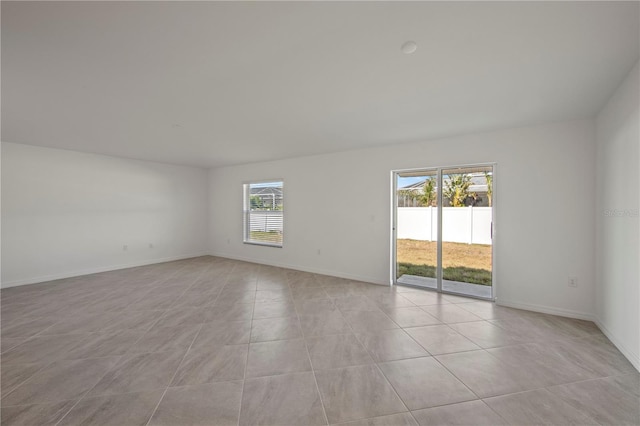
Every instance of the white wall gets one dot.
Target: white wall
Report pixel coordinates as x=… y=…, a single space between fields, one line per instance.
x=67 y=213
x=618 y=229
x=340 y=204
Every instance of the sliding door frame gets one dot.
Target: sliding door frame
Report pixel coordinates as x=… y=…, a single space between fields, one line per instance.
x=440 y=197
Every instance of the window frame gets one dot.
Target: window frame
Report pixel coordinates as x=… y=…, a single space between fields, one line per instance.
x=246 y=212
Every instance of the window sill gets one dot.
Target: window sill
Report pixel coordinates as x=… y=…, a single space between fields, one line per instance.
x=257 y=243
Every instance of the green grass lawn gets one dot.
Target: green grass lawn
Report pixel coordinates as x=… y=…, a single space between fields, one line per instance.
x=467 y=263
x=272 y=237
x=452 y=273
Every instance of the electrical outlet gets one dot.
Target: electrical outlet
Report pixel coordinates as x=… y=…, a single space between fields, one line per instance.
x=125 y=247
x=573 y=282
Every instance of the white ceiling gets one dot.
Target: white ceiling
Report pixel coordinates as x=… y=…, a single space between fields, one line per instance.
x=213 y=84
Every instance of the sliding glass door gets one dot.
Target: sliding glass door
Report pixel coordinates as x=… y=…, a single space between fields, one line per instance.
x=443 y=229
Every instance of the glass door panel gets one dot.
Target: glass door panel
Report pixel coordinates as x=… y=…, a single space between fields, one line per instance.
x=416 y=257
x=467 y=198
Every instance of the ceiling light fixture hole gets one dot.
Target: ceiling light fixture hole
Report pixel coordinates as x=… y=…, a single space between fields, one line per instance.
x=409 y=47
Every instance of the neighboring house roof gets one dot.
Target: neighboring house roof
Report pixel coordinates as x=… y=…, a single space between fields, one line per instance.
x=478 y=184
x=267 y=190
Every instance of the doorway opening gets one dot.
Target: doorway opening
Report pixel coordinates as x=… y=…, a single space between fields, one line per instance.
x=443 y=229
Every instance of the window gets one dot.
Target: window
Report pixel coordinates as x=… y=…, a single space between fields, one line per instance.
x=263 y=213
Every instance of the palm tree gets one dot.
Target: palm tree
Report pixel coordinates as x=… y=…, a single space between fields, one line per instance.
x=489 y=179
x=456 y=189
x=428 y=197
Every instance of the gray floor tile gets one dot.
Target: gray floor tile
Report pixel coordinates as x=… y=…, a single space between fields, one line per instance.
x=213 y=363
x=303 y=282
x=490 y=311
x=330 y=281
x=356 y=393
x=424 y=298
x=60 y=381
x=475 y=413
x=335 y=351
x=266 y=296
x=81 y=324
x=391 y=301
x=230 y=312
x=272 y=285
x=315 y=307
x=164 y=339
x=42 y=349
x=133 y=321
x=424 y=383
x=322 y=325
x=25 y=326
x=9 y=343
x=402 y=419
x=274 y=310
x=14 y=375
x=485 y=374
x=206 y=404
x=139 y=373
x=595 y=354
x=452 y=298
x=229 y=298
x=441 y=339
x=573 y=327
x=98 y=345
x=339 y=291
x=154 y=301
x=290 y=399
x=369 y=321
x=54 y=335
x=542 y=367
x=356 y=303
x=451 y=313
x=487 y=335
x=277 y=357
x=35 y=414
x=263 y=330
x=182 y=317
x=390 y=345
x=537 y=407
x=411 y=317
x=195 y=299
x=222 y=333
x=602 y=400
x=627 y=382
x=131 y=409
x=309 y=293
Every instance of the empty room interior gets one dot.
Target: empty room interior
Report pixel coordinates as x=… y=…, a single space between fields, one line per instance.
x=318 y=213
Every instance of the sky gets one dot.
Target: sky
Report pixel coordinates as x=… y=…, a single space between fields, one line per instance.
x=404 y=181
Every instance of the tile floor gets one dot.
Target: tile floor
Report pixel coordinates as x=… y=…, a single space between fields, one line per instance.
x=214 y=341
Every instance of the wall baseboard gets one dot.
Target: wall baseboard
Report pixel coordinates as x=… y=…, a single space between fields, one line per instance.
x=77 y=273
x=546 y=310
x=633 y=357
x=332 y=273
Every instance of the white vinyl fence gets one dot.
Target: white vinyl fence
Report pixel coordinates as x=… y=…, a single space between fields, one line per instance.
x=265 y=221
x=471 y=225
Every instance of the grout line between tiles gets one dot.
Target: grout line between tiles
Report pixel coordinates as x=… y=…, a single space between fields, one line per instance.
x=246 y=361
x=313 y=372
